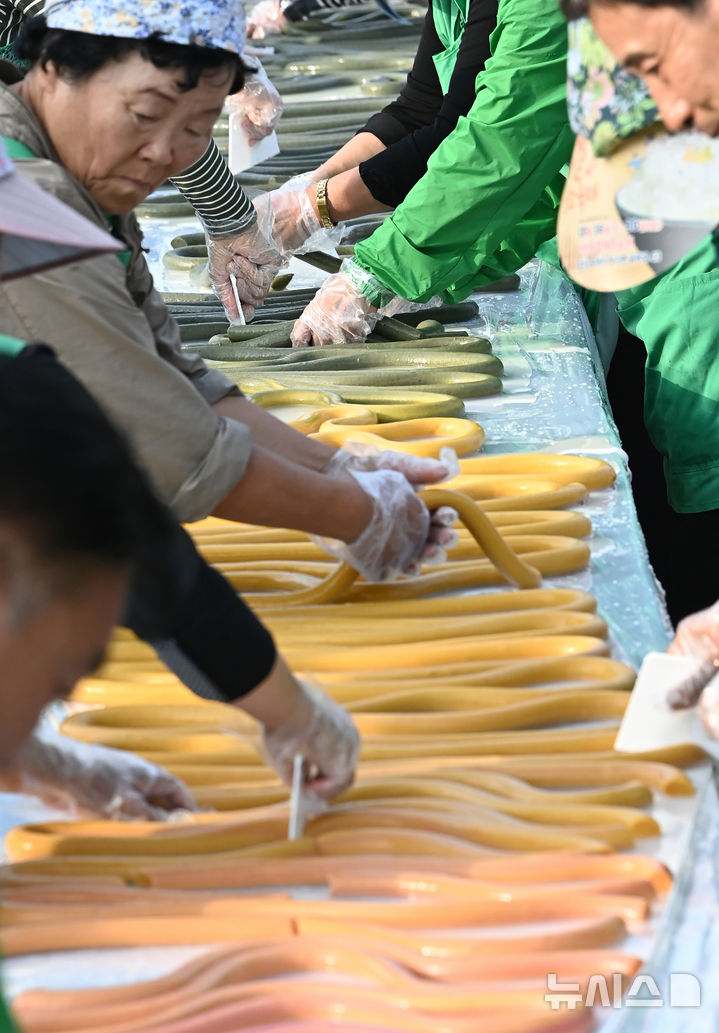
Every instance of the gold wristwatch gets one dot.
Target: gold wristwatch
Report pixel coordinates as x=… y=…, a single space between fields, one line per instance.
x=322 y=206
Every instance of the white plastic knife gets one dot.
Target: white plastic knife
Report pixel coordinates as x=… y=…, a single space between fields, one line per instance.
x=298 y=812
x=240 y=314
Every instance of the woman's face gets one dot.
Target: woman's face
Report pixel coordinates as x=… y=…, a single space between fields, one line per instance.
x=128 y=127
x=48 y=640
x=674 y=50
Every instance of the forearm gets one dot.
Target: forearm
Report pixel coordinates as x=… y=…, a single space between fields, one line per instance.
x=360 y=148
x=495 y=167
x=276 y=699
x=278 y=493
x=349 y=196
x=391 y=174
x=274 y=435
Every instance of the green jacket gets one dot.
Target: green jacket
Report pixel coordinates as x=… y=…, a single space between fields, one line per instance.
x=7 y=1024
x=484 y=205
x=676 y=317
x=450 y=17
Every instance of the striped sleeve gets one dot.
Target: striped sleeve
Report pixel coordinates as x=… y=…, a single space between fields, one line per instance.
x=12 y=14
x=218 y=199
x=295 y=10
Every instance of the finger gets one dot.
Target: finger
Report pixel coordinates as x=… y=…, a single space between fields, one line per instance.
x=130 y=806
x=301 y=336
x=444 y=516
x=253 y=276
x=448 y=459
x=429 y=472
x=225 y=294
x=447 y=537
x=255 y=131
x=414 y=569
x=687 y=694
x=325 y=787
x=250 y=291
x=170 y=794
x=433 y=555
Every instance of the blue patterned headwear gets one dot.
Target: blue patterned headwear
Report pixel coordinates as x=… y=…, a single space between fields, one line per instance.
x=203 y=23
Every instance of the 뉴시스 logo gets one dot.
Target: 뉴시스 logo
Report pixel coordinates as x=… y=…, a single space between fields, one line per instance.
x=683 y=991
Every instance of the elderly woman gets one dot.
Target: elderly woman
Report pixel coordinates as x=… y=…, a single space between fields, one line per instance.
x=81 y=498
x=235 y=243
x=115 y=102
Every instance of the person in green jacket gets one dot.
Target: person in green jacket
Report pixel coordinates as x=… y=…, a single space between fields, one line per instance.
x=485 y=206
x=378 y=166
x=671 y=44
x=490 y=194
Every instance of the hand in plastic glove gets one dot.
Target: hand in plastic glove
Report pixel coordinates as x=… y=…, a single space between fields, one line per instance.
x=338 y=313
x=347 y=307
x=110 y=782
x=698 y=636
x=258 y=104
x=356 y=455
x=417 y=469
x=252 y=259
x=288 y=217
x=326 y=736
x=397 y=534
x=265 y=19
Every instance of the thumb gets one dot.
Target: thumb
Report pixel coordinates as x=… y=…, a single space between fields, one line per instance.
x=301 y=336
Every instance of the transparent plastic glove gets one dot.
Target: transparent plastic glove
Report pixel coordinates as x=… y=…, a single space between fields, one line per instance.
x=110 y=782
x=254 y=261
x=287 y=217
x=357 y=455
x=313 y=176
x=417 y=469
x=258 y=103
x=698 y=636
x=347 y=307
x=326 y=736
x=265 y=19
x=398 y=531
x=337 y=314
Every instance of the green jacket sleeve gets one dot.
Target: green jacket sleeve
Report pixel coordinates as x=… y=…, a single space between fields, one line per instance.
x=490 y=173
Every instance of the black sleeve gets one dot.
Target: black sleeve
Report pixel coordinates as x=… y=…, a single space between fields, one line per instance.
x=191 y=615
x=197 y=623
x=413 y=126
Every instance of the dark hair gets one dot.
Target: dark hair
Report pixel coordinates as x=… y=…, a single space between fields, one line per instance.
x=68 y=480
x=579 y=8
x=78 y=55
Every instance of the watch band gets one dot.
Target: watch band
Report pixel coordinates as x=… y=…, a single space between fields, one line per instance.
x=322 y=206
